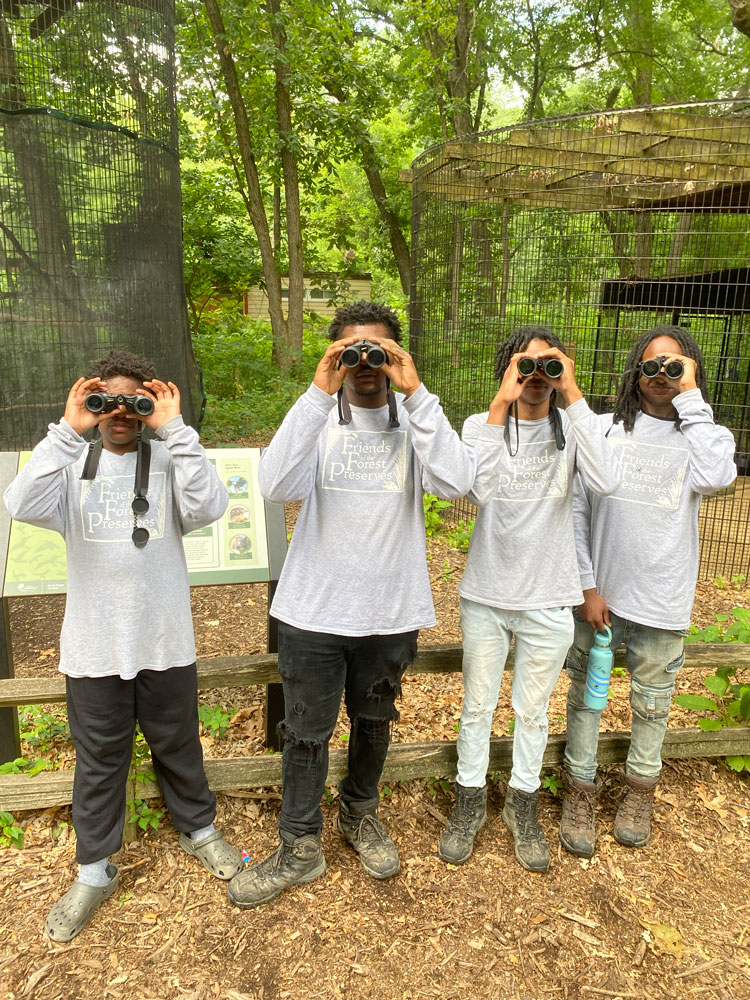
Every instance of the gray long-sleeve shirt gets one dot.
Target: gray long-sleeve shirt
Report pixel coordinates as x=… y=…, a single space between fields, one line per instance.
x=356 y=564
x=522 y=554
x=127 y=609
x=639 y=546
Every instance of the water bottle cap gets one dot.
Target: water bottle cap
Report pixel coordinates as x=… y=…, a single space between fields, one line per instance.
x=603 y=638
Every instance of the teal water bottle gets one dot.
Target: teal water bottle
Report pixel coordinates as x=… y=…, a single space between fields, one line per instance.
x=599 y=669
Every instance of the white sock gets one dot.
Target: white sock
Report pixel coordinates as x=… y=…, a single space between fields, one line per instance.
x=94 y=874
x=204 y=831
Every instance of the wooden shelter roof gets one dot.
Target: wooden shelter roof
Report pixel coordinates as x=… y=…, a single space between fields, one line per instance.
x=653 y=159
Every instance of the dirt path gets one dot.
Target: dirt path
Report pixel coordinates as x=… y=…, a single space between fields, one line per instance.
x=671 y=920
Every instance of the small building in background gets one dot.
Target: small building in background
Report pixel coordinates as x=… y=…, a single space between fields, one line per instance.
x=324 y=293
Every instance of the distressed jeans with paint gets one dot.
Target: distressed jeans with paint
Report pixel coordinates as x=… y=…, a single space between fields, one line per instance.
x=654 y=655
x=316 y=669
x=542 y=640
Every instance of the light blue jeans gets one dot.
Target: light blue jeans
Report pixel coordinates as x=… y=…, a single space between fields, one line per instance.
x=654 y=655
x=542 y=640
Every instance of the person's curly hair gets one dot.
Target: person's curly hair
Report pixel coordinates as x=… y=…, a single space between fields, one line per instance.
x=628 y=398
x=365 y=313
x=122 y=364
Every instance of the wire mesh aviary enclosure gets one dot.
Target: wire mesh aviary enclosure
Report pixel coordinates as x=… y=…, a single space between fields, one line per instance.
x=90 y=210
x=600 y=226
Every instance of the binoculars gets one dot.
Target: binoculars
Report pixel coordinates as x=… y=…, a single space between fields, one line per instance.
x=551 y=367
x=104 y=402
x=375 y=356
x=651 y=368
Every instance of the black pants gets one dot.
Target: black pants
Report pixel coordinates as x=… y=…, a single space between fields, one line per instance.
x=103 y=712
x=316 y=668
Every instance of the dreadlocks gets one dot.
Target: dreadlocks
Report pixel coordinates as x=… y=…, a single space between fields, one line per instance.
x=124 y=364
x=628 y=399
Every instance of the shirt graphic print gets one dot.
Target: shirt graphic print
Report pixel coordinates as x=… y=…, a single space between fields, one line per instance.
x=364 y=461
x=106 y=514
x=652 y=474
x=538 y=472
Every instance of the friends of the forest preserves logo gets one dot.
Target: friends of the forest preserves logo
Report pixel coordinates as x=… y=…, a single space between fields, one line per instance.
x=652 y=474
x=538 y=472
x=106 y=515
x=364 y=461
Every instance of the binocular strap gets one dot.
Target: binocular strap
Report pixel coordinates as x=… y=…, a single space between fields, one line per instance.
x=555 y=417
x=139 y=505
x=345 y=410
x=92 y=459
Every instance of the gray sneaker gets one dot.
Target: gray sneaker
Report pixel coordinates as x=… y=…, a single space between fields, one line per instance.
x=520 y=816
x=577 y=829
x=633 y=818
x=295 y=861
x=467 y=819
x=368 y=837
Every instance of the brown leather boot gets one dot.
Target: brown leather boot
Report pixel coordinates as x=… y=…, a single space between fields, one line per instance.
x=633 y=819
x=577 y=830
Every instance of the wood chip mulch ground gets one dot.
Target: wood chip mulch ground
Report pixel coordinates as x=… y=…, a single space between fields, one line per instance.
x=671 y=920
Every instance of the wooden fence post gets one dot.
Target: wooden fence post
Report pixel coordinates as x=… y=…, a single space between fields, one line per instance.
x=10 y=743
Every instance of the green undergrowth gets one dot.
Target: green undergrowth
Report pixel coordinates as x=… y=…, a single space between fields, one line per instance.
x=727 y=708
x=456 y=533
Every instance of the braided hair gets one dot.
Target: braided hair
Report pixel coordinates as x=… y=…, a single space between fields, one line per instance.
x=518 y=341
x=628 y=398
x=122 y=364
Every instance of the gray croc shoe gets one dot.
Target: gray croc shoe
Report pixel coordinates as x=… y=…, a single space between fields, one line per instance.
x=215 y=854
x=70 y=914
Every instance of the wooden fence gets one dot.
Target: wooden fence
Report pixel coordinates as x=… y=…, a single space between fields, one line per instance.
x=404 y=761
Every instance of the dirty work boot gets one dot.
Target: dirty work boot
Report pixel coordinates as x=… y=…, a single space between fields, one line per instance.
x=295 y=860
x=577 y=832
x=520 y=816
x=467 y=819
x=360 y=827
x=633 y=819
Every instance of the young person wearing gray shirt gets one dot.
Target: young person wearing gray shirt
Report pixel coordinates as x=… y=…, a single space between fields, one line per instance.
x=521 y=576
x=127 y=646
x=354 y=590
x=638 y=558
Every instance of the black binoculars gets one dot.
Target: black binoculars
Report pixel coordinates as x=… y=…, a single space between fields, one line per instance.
x=652 y=367
x=375 y=356
x=105 y=402
x=551 y=367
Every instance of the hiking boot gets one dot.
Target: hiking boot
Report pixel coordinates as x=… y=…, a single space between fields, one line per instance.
x=467 y=819
x=295 y=861
x=633 y=819
x=360 y=827
x=520 y=816
x=577 y=831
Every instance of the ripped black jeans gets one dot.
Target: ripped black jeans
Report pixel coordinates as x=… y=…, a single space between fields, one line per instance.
x=316 y=668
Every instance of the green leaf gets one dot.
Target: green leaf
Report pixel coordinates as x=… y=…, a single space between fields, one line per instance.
x=737 y=763
x=709 y=725
x=697 y=702
x=745 y=706
x=716 y=685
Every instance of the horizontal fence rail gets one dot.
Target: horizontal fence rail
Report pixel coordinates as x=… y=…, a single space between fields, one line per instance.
x=404 y=760
x=261 y=668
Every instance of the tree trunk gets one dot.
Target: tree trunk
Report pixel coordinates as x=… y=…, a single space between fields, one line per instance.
x=256 y=207
x=371 y=167
x=740 y=15
x=679 y=240
x=288 y=353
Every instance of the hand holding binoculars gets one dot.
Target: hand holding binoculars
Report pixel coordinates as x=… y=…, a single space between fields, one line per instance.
x=652 y=367
x=105 y=402
x=375 y=356
x=552 y=367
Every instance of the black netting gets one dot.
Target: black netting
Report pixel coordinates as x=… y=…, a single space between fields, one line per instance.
x=600 y=226
x=90 y=211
